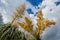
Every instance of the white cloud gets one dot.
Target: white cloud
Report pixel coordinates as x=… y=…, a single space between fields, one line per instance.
x=52 y=33
x=4 y=2
x=8 y=6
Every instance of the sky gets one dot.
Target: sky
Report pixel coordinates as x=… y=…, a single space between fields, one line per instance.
x=50 y=9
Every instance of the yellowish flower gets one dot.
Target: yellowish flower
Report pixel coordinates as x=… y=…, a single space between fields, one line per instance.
x=27 y=25
x=42 y=23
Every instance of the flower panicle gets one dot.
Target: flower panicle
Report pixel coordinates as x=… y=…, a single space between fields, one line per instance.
x=27 y=25
x=40 y=15
x=20 y=10
x=42 y=23
x=18 y=13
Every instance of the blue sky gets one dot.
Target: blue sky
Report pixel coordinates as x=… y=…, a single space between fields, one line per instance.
x=50 y=9
x=57 y=3
x=35 y=2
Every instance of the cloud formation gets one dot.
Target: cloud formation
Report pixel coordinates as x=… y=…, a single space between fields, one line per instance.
x=51 y=11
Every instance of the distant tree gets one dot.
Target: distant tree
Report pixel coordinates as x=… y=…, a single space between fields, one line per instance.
x=1 y=19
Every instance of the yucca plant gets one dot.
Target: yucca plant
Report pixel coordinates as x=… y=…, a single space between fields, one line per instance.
x=10 y=31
